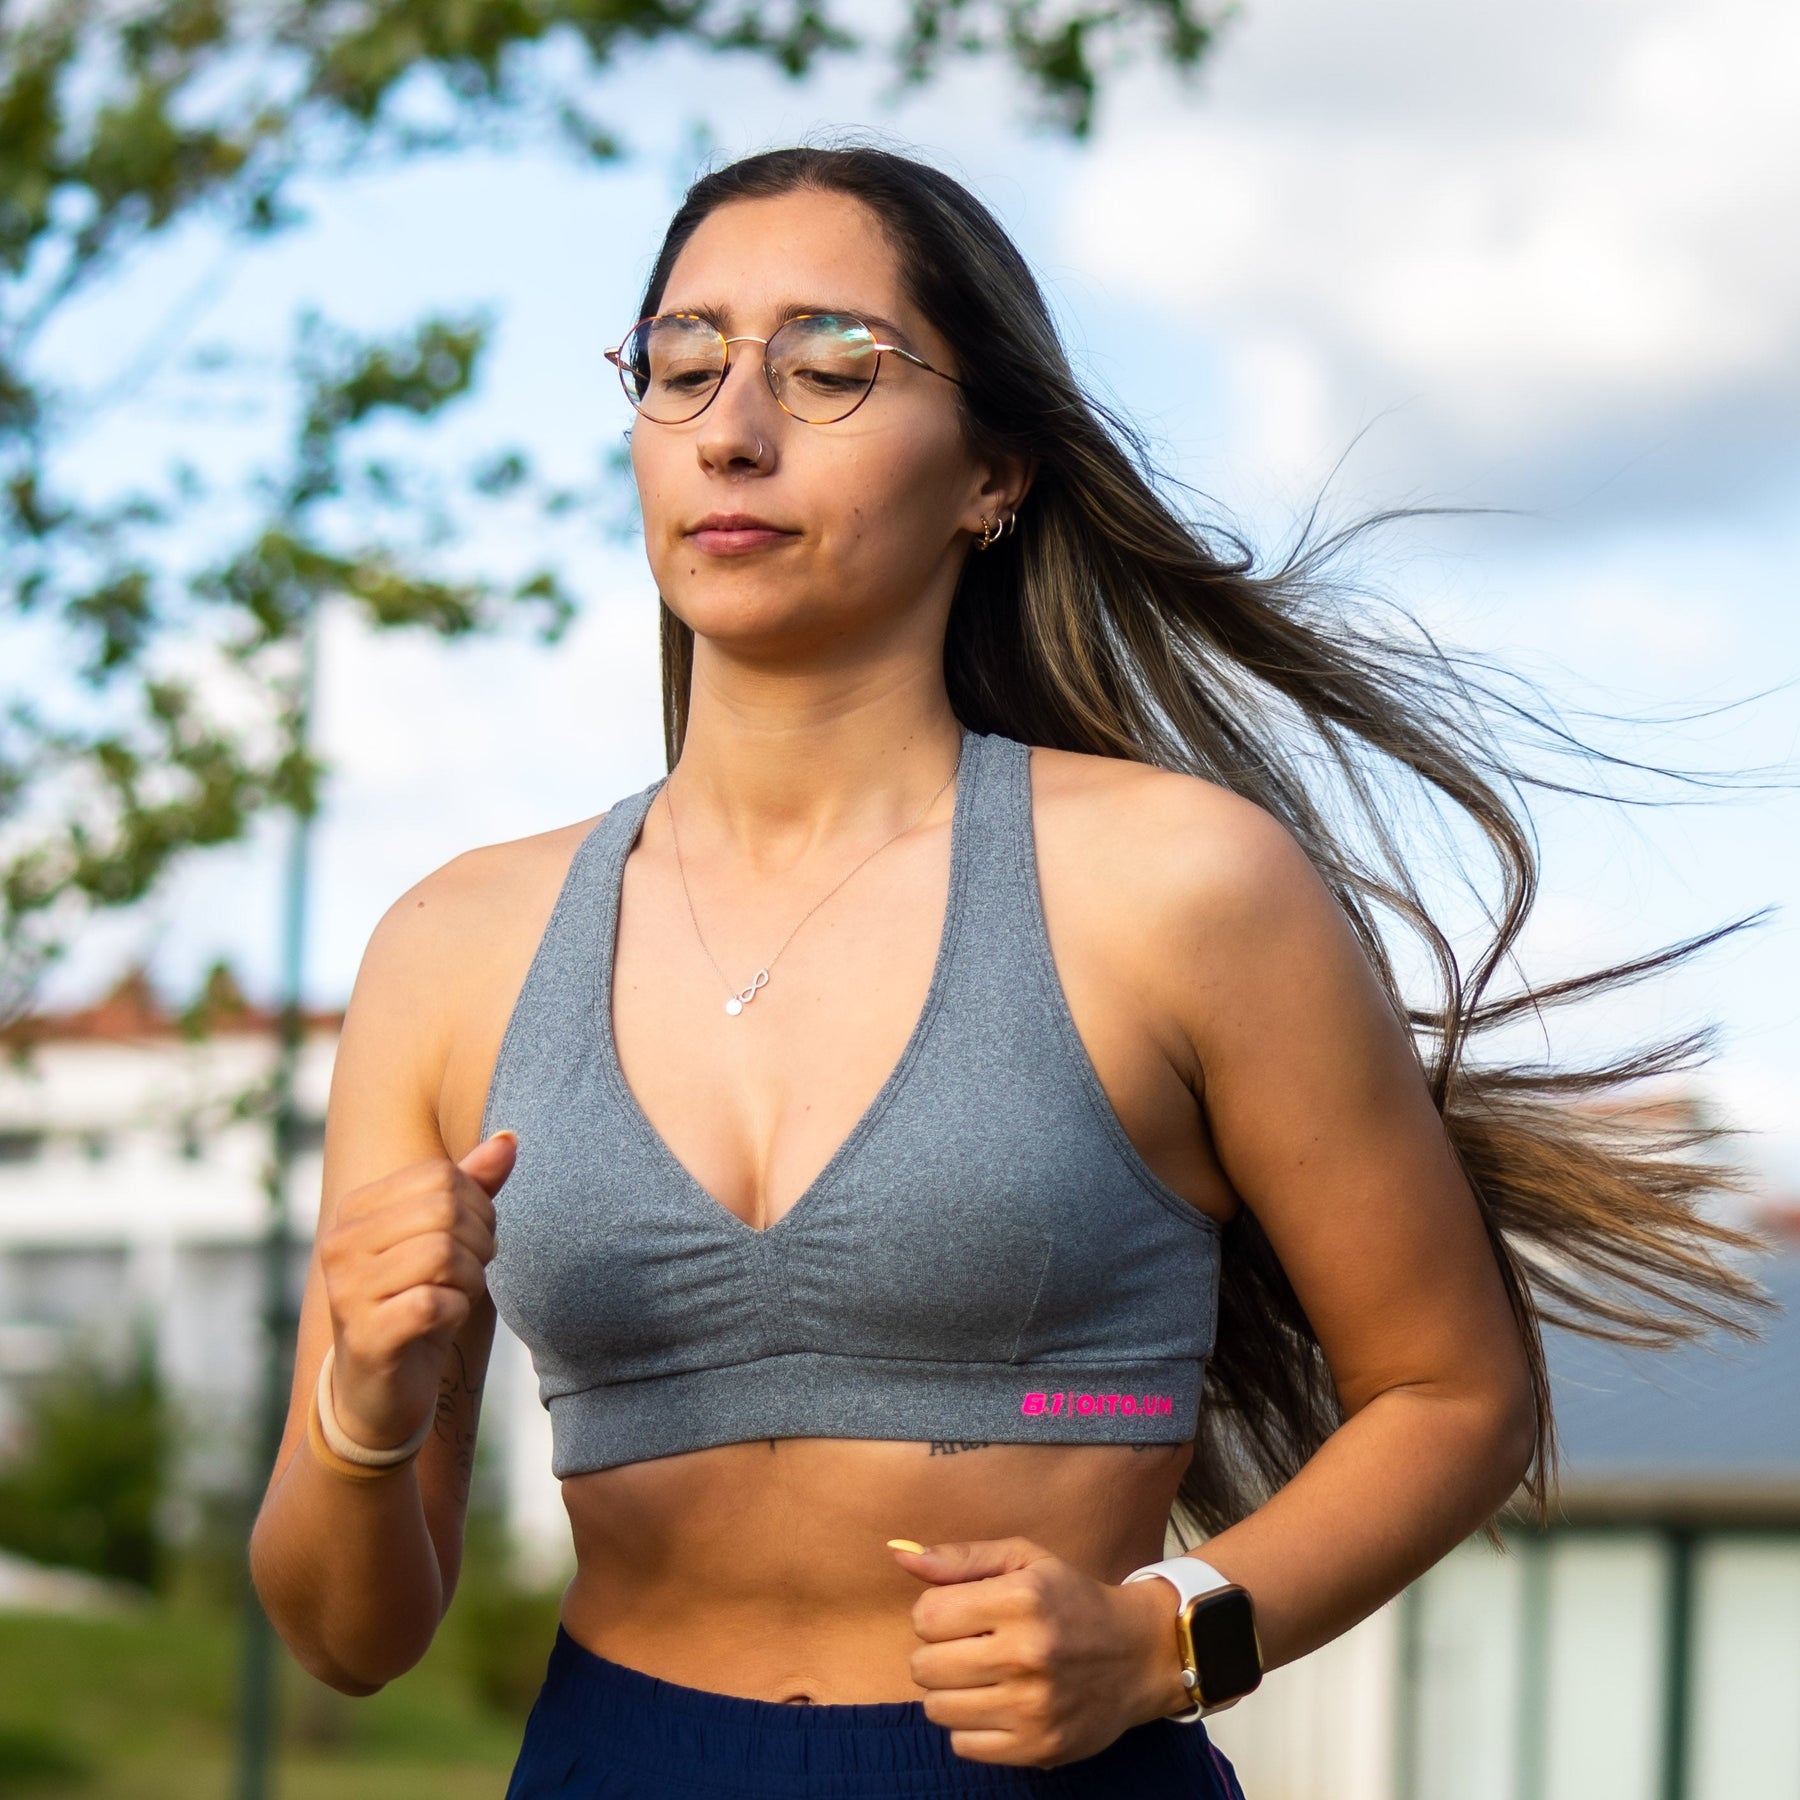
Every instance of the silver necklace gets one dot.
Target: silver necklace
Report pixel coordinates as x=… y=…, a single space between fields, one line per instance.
x=737 y=998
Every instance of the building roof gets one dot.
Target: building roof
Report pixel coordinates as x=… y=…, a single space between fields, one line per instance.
x=1707 y=1432
x=133 y=1012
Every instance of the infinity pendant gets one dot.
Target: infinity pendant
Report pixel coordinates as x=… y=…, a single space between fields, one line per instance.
x=744 y=996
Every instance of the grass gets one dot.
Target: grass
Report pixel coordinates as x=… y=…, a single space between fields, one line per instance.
x=143 y=1707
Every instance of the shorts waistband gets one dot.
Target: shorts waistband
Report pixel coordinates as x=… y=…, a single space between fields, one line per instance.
x=691 y=1742
x=727 y=1742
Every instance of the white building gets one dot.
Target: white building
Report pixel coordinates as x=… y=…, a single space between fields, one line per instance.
x=133 y=1164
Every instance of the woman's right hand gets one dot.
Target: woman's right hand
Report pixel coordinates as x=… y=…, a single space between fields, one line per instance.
x=403 y=1265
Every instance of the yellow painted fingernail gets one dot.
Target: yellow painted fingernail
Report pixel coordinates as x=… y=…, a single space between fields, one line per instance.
x=908 y=1544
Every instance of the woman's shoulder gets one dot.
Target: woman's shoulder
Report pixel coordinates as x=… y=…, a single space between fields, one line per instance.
x=1157 y=839
x=1194 y=899
x=472 y=913
x=444 y=964
x=482 y=895
x=495 y=874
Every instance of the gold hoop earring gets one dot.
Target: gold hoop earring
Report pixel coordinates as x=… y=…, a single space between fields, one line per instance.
x=990 y=532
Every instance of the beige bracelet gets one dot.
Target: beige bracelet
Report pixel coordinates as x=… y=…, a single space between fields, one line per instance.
x=346 y=1448
x=322 y=1452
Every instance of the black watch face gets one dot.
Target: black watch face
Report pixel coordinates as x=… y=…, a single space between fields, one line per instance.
x=1225 y=1655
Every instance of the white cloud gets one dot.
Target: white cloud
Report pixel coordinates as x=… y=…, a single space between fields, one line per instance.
x=1549 y=261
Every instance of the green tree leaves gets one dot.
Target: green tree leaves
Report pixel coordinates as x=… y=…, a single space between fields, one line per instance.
x=87 y=1490
x=95 y=810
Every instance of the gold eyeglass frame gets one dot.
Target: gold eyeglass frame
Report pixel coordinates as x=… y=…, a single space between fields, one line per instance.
x=615 y=356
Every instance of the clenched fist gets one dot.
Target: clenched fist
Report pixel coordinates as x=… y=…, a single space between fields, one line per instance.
x=1030 y=1660
x=403 y=1264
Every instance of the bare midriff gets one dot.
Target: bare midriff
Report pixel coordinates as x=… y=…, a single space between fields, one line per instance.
x=762 y=1569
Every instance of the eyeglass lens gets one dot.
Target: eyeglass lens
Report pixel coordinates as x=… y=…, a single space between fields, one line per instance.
x=819 y=367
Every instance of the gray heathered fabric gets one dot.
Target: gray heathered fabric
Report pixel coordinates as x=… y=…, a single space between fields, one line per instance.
x=985 y=1257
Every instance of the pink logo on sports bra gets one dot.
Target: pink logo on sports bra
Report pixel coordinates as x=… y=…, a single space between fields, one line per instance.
x=1088 y=1404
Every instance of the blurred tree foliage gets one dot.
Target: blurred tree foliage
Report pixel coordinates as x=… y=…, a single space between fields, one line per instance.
x=502 y=1620
x=86 y=1488
x=501 y=1624
x=122 y=121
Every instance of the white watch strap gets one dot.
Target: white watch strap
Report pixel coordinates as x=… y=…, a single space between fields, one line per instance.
x=1188 y=1576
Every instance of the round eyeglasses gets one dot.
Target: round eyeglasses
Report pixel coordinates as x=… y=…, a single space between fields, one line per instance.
x=820 y=366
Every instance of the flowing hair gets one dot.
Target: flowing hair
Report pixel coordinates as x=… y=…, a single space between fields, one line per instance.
x=1109 y=624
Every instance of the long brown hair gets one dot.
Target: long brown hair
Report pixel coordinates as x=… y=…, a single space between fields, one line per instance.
x=1110 y=624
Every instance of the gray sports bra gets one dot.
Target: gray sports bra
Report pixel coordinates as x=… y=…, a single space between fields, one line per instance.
x=985 y=1257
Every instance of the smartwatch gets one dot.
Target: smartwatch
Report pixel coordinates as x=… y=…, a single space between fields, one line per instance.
x=1215 y=1632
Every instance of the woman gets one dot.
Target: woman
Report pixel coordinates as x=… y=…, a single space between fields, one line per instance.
x=878 y=1127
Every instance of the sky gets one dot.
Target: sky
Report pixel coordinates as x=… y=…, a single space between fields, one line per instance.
x=1534 y=258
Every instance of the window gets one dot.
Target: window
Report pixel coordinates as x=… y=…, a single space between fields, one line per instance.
x=18 y=1146
x=307 y=1135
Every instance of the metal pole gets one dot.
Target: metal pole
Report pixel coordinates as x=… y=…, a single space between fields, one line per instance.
x=1678 y=1668
x=280 y=1320
x=1532 y=1734
x=1408 y=1709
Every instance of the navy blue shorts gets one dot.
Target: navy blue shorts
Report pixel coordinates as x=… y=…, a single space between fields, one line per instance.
x=600 y=1731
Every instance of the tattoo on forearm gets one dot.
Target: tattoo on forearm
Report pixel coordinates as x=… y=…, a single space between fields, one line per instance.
x=458 y=1413
x=952 y=1446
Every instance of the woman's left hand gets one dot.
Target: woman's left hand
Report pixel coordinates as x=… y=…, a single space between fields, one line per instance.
x=1028 y=1660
